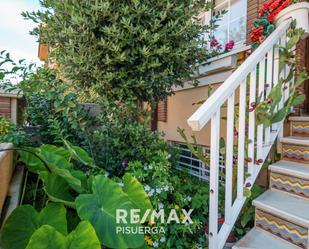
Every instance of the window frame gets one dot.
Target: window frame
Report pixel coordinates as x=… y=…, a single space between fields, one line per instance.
x=240 y=43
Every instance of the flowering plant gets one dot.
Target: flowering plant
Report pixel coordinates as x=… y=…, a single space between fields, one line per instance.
x=217 y=48
x=263 y=25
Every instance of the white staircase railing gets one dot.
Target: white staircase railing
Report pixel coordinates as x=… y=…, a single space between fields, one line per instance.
x=259 y=69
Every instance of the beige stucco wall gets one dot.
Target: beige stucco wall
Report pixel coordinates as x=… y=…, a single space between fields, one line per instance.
x=180 y=108
x=6 y=171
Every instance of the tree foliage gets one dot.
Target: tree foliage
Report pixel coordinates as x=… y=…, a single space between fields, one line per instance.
x=124 y=50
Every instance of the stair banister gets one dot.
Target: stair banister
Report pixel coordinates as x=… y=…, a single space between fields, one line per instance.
x=266 y=58
x=203 y=114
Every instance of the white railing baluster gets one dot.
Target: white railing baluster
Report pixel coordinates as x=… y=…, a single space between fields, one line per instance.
x=276 y=77
x=260 y=128
x=214 y=180
x=251 y=125
x=269 y=82
x=241 y=139
x=229 y=159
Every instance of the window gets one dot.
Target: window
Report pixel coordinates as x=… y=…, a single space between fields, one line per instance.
x=232 y=25
x=195 y=166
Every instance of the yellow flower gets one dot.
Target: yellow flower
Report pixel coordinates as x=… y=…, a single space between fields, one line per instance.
x=182 y=216
x=148 y=240
x=177 y=206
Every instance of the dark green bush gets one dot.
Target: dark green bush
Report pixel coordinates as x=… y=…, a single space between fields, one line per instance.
x=124 y=50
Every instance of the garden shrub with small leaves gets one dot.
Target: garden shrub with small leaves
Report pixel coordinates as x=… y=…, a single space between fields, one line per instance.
x=169 y=189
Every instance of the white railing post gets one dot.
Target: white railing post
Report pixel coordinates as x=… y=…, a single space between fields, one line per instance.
x=241 y=139
x=269 y=82
x=260 y=128
x=251 y=125
x=229 y=159
x=214 y=180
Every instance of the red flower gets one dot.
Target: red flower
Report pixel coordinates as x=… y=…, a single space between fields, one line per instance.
x=271 y=18
x=256 y=33
x=286 y=3
x=274 y=5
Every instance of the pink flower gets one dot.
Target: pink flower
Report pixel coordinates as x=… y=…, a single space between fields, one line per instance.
x=213 y=42
x=229 y=45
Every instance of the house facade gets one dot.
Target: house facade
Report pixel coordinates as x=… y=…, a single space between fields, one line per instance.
x=236 y=25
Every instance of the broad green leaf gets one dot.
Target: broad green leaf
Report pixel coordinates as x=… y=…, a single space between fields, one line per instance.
x=100 y=207
x=292 y=41
x=47 y=237
x=136 y=193
x=84 y=237
x=279 y=116
x=299 y=99
x=57 y=189
x=79 y=154
x=60 y=151
x=33 y=163
x=61 y=167
x=25 y=220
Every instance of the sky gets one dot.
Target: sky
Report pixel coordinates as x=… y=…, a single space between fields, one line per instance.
x=14 y=29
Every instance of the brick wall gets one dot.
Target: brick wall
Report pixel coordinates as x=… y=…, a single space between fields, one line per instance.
x=302 y=55
x=5 y=106
x=253 y=7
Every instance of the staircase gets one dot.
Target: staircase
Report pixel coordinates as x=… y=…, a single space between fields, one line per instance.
x=282 y=212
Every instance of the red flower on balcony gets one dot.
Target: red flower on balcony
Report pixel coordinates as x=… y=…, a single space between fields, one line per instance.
x=256 y=33
x=268 y=11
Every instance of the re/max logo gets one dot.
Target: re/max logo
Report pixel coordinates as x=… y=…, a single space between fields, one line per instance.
x=135 y=216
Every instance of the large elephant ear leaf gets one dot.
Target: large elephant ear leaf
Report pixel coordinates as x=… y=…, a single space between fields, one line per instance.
x=79 y=154
x=33 y=163
x=19 y=227
x=100 y=210
x=63 y=168
x=60 y=151
x=47 y=237
x=57 y=189
x=54 y=214
x=136 y=193
x=25 y=220
x=84 y=237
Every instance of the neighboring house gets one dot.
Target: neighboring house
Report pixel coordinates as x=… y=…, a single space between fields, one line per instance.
x=9 y=104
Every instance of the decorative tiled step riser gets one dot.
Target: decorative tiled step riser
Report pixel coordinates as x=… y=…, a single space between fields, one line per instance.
x=296 y=153
x=300 y=129
x=290 y=184
x=286 y=230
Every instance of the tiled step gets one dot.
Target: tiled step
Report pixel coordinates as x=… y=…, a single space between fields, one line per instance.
x=295 y=149
x=300 y=126
x=290 y=177
x=283 y=215
x=259 y=239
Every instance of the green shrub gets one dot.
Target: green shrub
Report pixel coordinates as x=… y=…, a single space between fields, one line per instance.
x=169 y=189
x=10 y=133
x=124 y=50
